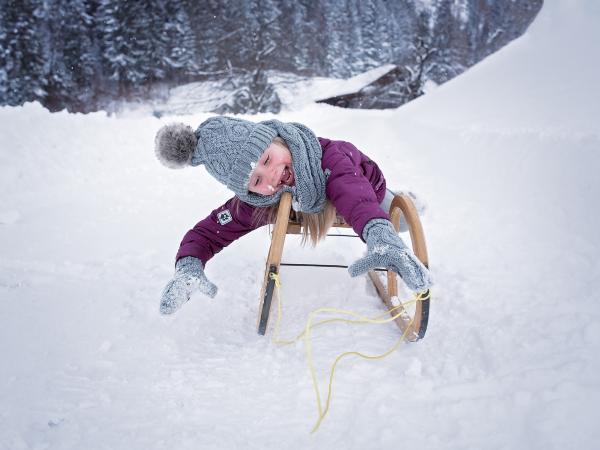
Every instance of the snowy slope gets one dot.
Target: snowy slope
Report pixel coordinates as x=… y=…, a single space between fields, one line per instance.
x=506 y=157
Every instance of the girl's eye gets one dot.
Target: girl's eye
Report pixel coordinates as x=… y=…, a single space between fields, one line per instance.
x=267 y=160
x=256 y=181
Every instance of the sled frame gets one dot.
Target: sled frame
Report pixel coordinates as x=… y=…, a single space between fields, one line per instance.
x=413 y=322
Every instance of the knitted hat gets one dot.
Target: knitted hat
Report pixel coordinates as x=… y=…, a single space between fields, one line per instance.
x=229 y=148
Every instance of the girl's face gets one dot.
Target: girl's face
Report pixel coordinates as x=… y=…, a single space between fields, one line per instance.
x=272 y=171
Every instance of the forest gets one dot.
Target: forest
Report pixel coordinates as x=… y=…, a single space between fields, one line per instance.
x=83 y=55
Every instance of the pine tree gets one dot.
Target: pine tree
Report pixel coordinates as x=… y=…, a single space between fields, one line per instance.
x=451 y=45
x=297 y=41
x=337 y=46
x=371 y=43
x=180 y=57
x=72 y=61
x=405 y=23
x=254 y=44
x=23 y=53
x=4 y=55
x=206 y=28
x=127 y=45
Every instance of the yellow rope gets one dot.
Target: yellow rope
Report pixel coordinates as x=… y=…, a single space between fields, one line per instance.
x=359 y=320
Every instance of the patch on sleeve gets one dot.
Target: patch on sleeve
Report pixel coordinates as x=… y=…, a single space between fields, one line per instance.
x=327 y=172
x=224 y=217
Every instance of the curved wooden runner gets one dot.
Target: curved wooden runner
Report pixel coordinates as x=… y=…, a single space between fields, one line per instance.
x=403 y=205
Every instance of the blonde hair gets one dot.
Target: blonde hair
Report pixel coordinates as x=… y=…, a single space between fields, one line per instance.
x=314 y=226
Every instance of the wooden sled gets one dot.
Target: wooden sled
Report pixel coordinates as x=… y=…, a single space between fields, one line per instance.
x=412 y=320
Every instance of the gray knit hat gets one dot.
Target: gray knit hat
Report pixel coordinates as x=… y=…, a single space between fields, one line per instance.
x=229 y=148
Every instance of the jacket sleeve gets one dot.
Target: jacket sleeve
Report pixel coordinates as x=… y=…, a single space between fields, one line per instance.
x=349 y=190
x=224 y=225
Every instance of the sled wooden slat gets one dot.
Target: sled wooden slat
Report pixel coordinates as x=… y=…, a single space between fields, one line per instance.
x=295 y=227
x=402 y=205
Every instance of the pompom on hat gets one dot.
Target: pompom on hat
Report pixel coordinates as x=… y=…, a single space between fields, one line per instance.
x=174 y=145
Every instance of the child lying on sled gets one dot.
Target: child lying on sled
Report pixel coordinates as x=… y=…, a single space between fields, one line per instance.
x=260 y=161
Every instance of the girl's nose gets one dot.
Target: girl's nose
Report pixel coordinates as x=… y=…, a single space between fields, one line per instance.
x=273 y=177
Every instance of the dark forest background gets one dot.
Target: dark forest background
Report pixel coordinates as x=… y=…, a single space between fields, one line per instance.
x=83 y=55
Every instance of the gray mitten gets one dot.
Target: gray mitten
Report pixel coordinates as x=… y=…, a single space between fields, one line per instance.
x=189 y=277
x=386 y=249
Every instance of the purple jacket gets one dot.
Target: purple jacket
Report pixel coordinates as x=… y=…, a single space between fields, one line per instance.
x=355 y=186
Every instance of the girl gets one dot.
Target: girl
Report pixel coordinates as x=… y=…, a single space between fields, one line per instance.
x=260 y=161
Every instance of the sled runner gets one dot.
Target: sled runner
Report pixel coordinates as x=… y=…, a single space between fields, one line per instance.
x=412 y=320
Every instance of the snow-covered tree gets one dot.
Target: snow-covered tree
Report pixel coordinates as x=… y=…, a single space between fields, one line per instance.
x=254 y=42
x=4 y=54
x=336 y=43
x=73 y=62
x=179 y=60
x=127 y=43
x=22 y=53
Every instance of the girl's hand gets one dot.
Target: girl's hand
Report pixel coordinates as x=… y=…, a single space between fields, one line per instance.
x=189 y=277
x=386 y=249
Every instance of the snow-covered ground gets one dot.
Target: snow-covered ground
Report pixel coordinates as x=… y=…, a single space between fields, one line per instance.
x=295 y=93
x=507 y=157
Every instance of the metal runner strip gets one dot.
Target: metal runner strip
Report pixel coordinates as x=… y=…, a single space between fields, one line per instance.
x=323 y=265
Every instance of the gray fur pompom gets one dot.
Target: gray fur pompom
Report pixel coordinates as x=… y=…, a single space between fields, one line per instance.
x=174 y=145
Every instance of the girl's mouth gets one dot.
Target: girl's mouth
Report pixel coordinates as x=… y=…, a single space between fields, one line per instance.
x=286 y=176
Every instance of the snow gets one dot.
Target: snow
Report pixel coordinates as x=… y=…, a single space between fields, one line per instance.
x=295 y=92
x=506 y=157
